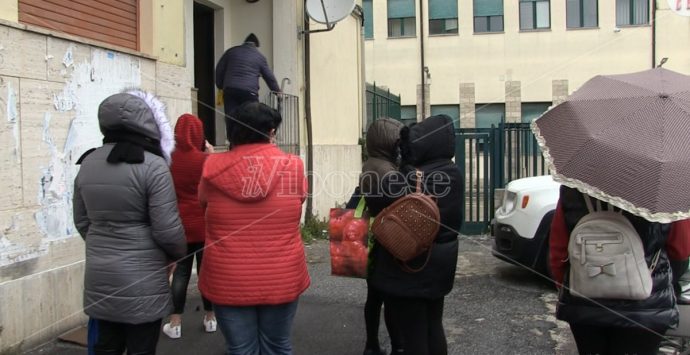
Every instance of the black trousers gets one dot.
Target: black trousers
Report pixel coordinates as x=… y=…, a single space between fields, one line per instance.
x=372 y=317
x=112 y=338
x=232 y=100
x=419 y=322
x=182 y=274
x=615 y=340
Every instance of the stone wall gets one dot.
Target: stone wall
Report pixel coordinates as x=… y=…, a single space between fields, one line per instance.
x=423 y=111
x=467 y=105
x=513 y=101
x=50 y=88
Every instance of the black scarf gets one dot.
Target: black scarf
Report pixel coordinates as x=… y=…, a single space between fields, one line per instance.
x=129 y=147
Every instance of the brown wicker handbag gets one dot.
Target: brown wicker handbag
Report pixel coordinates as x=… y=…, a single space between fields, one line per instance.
x=407 y=228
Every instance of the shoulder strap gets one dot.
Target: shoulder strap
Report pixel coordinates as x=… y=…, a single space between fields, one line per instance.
x=409 y=269
x=420 y=177
x=588 y=202
x=599 y=207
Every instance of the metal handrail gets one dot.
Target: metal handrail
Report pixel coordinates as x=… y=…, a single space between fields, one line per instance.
x=287 y=137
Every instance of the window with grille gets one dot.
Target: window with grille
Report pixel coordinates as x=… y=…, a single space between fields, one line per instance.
x=535 y=14
x=632 y=12
x=401 y=18
x=443 y=16
x=488 y=15
x=582 y=13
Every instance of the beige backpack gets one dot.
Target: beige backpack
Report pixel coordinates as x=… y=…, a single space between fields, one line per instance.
x=607 y=257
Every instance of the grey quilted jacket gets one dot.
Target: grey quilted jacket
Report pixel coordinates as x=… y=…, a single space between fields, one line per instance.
x=128 y=217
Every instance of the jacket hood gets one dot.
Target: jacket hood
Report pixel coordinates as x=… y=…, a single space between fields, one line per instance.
x=382 y=139
x=139 y=112
x=189 y=133
x=430 y=140
x=248 y=172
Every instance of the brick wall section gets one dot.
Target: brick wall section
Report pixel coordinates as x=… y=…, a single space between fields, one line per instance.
x=513 y=101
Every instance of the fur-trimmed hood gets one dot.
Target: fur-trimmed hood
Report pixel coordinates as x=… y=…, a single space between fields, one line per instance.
x=139 y=112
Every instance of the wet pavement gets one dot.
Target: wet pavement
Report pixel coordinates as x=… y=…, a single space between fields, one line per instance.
x=495 y=308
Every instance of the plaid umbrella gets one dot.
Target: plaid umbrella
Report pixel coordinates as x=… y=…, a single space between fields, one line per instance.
x=624 y=139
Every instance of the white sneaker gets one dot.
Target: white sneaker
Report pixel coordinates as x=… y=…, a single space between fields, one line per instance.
x=173 y=332
x=210 y=325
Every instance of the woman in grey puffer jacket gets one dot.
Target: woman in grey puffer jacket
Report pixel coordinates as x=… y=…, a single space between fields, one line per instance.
x=125 y=208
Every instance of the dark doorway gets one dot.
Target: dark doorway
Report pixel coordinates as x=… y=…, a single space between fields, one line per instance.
x=203 y=69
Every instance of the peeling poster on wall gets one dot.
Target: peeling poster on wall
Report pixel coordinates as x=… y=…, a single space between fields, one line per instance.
x=89 y=84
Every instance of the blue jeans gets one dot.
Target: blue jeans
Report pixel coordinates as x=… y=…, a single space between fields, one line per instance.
x=257 y=330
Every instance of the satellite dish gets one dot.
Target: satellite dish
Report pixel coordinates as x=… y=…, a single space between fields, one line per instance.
x=329 y=11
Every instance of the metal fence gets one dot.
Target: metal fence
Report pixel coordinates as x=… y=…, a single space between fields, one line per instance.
x=489 y=158
x=520 y=153
x=474 y=155
x=381 y=103
x=287 y=137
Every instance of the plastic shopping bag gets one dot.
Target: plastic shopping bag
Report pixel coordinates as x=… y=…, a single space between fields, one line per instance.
x=348 y=231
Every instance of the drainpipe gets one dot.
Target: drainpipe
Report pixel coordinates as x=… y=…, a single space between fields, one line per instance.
x=421 y=51
x=654 y=34
x=359 y=14
x=309 y=213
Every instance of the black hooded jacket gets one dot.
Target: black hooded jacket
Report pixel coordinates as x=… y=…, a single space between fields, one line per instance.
x=428 y=146
x=658 y=312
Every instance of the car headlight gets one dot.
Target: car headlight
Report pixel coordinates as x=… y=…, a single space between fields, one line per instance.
x=509 y=199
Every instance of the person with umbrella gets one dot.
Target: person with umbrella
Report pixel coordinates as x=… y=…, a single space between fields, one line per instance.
x=620 y=142
x=614 y=326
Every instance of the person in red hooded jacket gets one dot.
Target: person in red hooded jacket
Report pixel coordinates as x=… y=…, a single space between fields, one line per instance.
x=187 y=163
x=254 y=267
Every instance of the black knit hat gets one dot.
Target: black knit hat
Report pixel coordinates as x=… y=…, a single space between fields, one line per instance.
x=252 y=38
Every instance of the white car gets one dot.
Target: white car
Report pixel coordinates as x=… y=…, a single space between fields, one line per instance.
x=521 y=224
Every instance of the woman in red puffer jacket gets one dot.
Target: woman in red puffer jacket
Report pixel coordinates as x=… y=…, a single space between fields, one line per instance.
x=254 y=267
x=188 y=160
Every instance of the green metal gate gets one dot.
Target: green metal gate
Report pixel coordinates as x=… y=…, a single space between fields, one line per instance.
x=381 y=103
x=489 y=158
x=474 y=152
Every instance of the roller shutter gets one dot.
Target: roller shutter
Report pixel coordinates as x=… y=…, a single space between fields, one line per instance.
x=110 y=21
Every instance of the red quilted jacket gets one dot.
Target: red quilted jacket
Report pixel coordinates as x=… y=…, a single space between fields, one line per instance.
x=254 y=254
x=187 y=163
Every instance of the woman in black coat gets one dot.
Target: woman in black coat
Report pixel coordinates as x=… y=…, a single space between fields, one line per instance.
x=618 y=326
x=415 y=300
